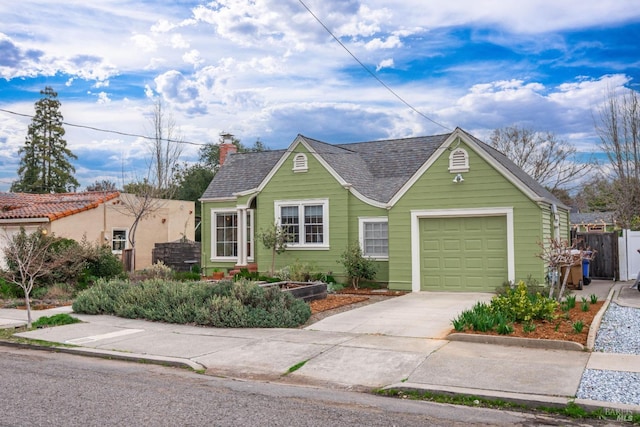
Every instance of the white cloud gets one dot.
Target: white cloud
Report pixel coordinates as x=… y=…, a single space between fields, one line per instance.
x=385 y=63
x=390 y=43
x=192 y=57
x=144 y=42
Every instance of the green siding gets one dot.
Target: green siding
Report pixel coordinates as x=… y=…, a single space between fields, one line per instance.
x=344 y=210
x=483 y=186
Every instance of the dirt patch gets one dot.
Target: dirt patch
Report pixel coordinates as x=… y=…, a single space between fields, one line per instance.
x=561 y=328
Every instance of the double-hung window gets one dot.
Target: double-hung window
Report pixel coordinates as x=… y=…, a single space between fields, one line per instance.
x=305 y=221
x=118 y=241
x=225 y=234
x=374 y=237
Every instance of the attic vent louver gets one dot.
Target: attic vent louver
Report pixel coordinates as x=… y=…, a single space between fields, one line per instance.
x=458 y=161
x=300 y=163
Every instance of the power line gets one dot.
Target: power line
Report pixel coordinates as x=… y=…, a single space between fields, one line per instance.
x=178 y=141
x=371 y=72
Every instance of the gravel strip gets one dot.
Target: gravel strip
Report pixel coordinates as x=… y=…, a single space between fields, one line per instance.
x=619 y=332
x=610 y=386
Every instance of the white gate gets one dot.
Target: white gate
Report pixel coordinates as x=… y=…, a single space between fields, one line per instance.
x=629 y=257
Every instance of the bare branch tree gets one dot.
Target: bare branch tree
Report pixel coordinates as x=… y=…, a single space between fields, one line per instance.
x=549 y=160
x=143 y=197
x=618 y=126
x=27 y=259
x=165 y=148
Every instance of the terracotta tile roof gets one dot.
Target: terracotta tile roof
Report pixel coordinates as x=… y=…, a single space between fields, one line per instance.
x=51 y=206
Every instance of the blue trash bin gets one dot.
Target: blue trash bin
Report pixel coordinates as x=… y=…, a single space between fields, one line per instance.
x=586 y=261
x=585 y=267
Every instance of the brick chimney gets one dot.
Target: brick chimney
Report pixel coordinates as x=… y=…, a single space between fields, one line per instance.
x=226 y=147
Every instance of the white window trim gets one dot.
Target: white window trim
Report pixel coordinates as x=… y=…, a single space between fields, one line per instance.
x=213 y=249
x=367 y=219
x=277 y=204
x=251 y=214
x=300 y=163
x=459 y=168
x=416 y=215
x=126 y=239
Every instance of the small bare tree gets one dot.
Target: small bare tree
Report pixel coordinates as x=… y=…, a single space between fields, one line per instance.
x=27 y=257
x=559 y=254
x=139 y=201
x=275 y=238
x=549 y=160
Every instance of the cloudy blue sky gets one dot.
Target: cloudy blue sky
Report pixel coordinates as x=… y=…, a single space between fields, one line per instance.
x=267 y=69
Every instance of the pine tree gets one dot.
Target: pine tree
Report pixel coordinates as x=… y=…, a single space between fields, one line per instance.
x=45 y=165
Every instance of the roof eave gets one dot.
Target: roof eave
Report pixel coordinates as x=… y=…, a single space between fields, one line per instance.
x=38 y=220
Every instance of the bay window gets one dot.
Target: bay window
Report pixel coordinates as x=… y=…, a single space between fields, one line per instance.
x=224 y=243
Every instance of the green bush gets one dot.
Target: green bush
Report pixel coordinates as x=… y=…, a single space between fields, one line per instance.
x=356 y=265
x=226 y=304
x=186 y=276
x=10 y=290
x=102 y=263
x=521 y=306
x=514 y=305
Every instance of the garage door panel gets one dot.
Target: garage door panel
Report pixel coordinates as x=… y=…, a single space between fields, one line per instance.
x=463 y=253
x=473 y=244
x=474 y=263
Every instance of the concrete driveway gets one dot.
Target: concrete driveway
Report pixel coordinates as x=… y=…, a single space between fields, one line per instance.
x=418 y=315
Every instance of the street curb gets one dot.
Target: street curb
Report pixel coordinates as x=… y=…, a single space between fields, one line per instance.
x=527 y=399
x=112 y=355
x=595 y=324
x=517 y=341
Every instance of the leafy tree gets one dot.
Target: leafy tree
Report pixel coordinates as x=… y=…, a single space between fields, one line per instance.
x=102 y=185
x=356 y=265
x=618 y=126
x=550 y=161
x=192 y=181
x=596 y=195
x=210 y=153
x=45 y=165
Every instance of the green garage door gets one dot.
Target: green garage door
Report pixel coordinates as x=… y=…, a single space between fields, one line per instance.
x=463 y=253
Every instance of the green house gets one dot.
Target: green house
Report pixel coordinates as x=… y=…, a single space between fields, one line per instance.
x=443 y=213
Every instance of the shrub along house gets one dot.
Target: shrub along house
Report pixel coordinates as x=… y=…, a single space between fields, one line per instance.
x=444 y=212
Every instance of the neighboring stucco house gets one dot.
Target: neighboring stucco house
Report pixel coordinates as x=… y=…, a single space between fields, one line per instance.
x=444 y=212
x=98 y=217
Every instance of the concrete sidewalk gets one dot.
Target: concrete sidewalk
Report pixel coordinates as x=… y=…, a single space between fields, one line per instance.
x=360 y=349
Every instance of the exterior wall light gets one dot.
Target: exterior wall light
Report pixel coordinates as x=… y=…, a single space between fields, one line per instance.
x=458 y=178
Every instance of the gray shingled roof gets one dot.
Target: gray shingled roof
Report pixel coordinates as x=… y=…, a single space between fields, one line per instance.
x=241 y=172
x=376 y=169
x=593 y=218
